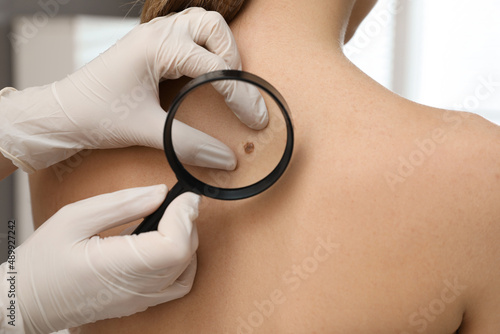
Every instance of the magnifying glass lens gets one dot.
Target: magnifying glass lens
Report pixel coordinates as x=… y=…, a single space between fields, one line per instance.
x=221 y=117
x=211 y=143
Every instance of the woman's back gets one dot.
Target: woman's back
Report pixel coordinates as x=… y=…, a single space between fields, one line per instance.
x=383 y=223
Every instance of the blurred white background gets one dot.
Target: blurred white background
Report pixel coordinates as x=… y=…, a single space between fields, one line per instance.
x=435 y=52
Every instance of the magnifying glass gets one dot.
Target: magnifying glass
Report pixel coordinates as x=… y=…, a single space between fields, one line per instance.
x=263 y=155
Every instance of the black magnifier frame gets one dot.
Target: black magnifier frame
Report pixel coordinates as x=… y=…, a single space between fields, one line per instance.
x=187 y=182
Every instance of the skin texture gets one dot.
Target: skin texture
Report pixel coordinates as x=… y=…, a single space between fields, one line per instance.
x=387 y=220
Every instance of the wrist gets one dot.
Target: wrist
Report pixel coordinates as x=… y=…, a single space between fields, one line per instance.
x=34 y=129
x=15 y=161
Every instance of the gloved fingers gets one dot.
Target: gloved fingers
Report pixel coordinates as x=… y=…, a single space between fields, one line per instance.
x=244 y=99
x=164 y=253
x=214 y=33
x=194 y=61
x=88 y=217
x=220 y=52
x=182 y=285
x=196 y=148
x=209 y=29
x=177 y=224
x=160 y=293
x=148 y=130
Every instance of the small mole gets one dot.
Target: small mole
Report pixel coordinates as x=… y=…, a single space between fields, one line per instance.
x=249 y=147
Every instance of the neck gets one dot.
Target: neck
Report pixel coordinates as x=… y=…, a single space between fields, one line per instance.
x=293 y=25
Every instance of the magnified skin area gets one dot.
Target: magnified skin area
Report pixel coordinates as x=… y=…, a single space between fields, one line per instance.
x=250 y=169
x=356 y=237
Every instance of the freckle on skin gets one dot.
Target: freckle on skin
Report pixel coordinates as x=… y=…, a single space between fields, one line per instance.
x=249 y=147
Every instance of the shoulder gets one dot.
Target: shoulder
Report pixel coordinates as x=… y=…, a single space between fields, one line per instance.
x=467 y=147
x=467 y=159
x=457 y=152
x=475 y=142
x=474 y=158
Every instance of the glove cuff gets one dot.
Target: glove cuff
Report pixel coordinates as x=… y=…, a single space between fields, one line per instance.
x=18 y=163
x=35 y=133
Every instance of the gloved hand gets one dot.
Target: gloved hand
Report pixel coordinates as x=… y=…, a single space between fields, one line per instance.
x=68 y=277
x=113 y=101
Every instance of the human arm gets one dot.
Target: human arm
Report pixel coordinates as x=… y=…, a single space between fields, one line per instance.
x=43 y=125
x=82 y=278
x=113 y=101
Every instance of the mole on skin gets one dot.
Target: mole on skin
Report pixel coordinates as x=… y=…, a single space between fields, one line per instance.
x=249 y=147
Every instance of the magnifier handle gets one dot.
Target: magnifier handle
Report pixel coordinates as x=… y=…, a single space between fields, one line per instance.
x=150 y=223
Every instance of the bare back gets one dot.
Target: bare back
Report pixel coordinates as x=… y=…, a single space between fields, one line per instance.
x=386 y=221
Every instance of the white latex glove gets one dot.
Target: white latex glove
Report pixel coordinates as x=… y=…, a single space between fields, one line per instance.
x=113 y=101
x=68 y=277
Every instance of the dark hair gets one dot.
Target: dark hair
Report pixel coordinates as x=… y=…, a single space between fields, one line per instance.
x=154 y=8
